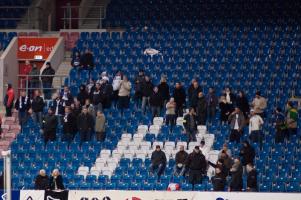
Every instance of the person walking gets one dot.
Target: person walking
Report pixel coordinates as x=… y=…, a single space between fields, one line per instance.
x=9 y=100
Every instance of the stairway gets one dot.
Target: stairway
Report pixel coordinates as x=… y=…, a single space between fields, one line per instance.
x=63 y=70
x=94 y=12
x=10 y=130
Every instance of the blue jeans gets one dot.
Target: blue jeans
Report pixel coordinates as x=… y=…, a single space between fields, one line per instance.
x=191 y=135
x=22 y=118
x=37 y=117
x=156 y=111
x=145 y=102
x=160 y=169
x=47 y=90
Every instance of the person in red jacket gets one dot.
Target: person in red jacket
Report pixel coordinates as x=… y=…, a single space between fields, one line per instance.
x=9 y=100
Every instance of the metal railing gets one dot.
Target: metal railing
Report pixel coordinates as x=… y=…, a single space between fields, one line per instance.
x=69 y=10
x=26 y=83
x=30 y=15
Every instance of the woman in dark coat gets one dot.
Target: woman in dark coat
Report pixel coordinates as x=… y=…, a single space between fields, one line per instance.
x=247 y=153
x=243 y=104
x=82 y=95
x=56 y=181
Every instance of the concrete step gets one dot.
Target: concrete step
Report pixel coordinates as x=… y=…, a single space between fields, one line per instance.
x=63 y=70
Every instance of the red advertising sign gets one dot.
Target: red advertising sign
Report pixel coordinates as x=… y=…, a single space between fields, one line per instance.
x=29 y=47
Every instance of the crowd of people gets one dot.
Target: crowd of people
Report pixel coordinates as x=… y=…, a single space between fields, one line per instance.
x=195 y=165
x=83 y=114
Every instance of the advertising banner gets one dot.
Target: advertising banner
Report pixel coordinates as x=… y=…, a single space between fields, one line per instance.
x=32 y=194
x=29 y=47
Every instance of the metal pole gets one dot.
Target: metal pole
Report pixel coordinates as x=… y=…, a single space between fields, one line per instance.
x=28 y=20
x=7 y=173
x=70 y=17
x=100 y=16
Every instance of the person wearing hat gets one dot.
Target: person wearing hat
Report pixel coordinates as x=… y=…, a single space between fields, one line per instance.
x=41 y=181
x=291 y=118
x=9 y=100
x=158 y=161
x=280 y=126
x=237 y=123
x=255 y=124
x=259 y=104
x=47 y=78
x=49 y=126
x=197 y=165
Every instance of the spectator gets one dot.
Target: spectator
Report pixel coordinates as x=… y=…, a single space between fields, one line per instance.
x=243 y=104
x=77 y=108
x=50 y=123
x=67 y=97
x=37 y=106
x=180 y=98
x=255 y=124
x=75 y=62
x=194 y=94
x=47 y=78
x=34 y=79
x=212 y=102
x=96 y=99
x=259 y=104
x=69 y=125
x=41 y=181
x=190 y=90
x=190 y=125
x=106 y=93
x=9 y=100
x=163 y=89
x=85 y=124
x=146 y=90
x=124 y=93
x=236 y=183
x=139 y=80
x=291 y=118
x=90 y=107
x=237 y=122
x=226 y=150
x=280 y=126
x=251 y=178
x=247 y=153
x=228 y=162
x=26 y=70
x=100 y=124
x=87 y=60
x=57 y=105
x=179 y=168
x=220 y=165
x=218 y=181
x=158 y=160
x=201 y=109
x=22 y=105
x=171 y=113
x=197 y=165
x=91 y=86
x=82 y=95
x=56 y=181
x=156 y=102
x=116 y=86
x=230 y=97
x=225 y=109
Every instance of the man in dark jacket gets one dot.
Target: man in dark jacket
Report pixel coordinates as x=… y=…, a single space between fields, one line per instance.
x=236 y=183
x=138 y=87
x=57 y=106
x=69 y=124
x=190 y=124
x=252 y=178
x=85 y=124
x=87 y=60
x=47 y=78
x=22 y=105
x=106 y=93
x=218 y=181
x=280 y=126
x=163 y=89
x=34 y=79
x=37 y=106
x=158 y=160
x=193 y=95
x=179 y=168
x=67 y=96
x=146 y=89
x=237 y=123
x=180 y=98
x=49 y=126
x=201 y=107
x=82 y=95
x=247 y=153
x=96 y=99
x=197 y=165
x=41 y=181
x=156 y=102
x=212 y=102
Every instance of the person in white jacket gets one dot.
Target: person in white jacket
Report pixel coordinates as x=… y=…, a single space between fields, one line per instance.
x=124 y=93
x=255 y=124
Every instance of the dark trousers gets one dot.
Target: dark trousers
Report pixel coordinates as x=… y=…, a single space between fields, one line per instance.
x=280 y=135
x=8 y=111
x=170 y=121
x=123 y=102
x=235 y=136
x=256 y=136
x=156 y=110
x=160 y=169
x=179 y=110
x=37 y=117
x=22 y=117
x=47 y=90
x=49 y=136
x=85 y=136
x=191 y=135
x=100 y=136
x=211 y=113
x=195 y=177
x=202 y=119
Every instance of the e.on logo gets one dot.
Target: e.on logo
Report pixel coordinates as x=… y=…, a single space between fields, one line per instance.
x=24 y=48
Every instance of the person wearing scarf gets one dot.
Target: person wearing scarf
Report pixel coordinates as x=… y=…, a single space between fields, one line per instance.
x=22 y=105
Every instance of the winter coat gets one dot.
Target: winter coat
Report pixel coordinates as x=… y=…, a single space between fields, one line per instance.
x=47 y=71
x=179 y=96
x=41 y=182
x=37 y=104
x=100 y=123
x=158 y=157
x=197 y=161
x=85 y=122
x=163 y=89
